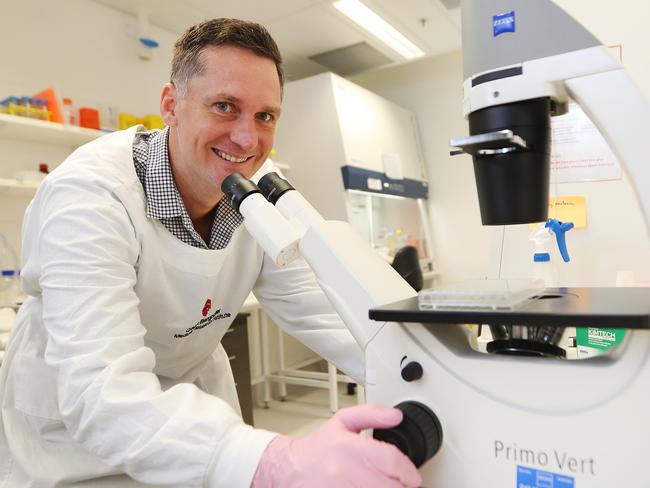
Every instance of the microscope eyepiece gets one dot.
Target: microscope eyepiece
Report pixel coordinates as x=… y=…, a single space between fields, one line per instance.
x=236 y=187
x=273 y=186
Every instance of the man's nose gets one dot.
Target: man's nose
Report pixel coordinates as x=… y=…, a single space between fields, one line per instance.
x=244 y=133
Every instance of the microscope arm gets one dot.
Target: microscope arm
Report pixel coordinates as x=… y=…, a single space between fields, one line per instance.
x=542 y=77
x=602 y=88
x=599 y=84
x=622 y=114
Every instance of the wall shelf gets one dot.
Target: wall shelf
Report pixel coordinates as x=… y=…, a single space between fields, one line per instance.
x=32 y=130
x=17 y=187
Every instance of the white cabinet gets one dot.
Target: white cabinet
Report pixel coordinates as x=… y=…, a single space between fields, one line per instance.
x=329 y=122
x=374 y=130
x=356 y=156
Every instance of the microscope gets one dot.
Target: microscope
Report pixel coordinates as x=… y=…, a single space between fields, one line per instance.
x=519 y=415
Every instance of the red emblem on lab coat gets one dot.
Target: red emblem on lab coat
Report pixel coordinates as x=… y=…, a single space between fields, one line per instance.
x=207 y=307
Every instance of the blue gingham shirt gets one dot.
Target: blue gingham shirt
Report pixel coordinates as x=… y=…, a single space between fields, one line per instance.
x=152 y=165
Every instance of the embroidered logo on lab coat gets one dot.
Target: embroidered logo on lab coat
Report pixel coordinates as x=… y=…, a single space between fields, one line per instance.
x=207 y=307
x=206 y=320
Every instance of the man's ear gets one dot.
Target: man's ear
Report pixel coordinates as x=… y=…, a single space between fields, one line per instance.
x=168 y=101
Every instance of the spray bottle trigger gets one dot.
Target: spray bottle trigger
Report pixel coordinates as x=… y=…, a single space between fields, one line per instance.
x=559 y=229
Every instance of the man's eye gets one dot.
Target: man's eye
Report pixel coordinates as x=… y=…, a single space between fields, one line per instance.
x=223 y=107
x=265 y=116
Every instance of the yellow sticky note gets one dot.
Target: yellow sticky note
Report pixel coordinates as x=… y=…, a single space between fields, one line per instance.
x=569 y=209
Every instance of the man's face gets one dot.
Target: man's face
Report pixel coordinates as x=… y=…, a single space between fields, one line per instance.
x=226 y=121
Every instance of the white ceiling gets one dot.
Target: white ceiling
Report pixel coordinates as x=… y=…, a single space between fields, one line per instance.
x=304 y=28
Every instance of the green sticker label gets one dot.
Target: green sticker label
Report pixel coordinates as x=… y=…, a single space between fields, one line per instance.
x=599 y=338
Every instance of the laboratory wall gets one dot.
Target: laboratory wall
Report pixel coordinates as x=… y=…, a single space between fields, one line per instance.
x=614 y=245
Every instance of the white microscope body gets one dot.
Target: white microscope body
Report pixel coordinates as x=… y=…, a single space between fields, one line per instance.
x=505 y=420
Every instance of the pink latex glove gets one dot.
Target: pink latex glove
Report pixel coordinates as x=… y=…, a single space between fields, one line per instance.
x=335 y=455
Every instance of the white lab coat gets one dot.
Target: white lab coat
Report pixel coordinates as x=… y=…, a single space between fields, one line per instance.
x=114 y=372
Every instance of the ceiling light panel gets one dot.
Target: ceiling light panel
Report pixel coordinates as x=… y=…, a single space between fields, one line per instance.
x=378 y=27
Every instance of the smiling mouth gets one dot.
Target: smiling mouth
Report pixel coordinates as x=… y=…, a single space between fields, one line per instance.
x=229 y=157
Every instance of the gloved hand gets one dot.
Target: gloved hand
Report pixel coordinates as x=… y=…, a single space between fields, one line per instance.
x=335 y=455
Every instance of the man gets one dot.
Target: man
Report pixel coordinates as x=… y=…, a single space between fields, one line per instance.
x=113 y=377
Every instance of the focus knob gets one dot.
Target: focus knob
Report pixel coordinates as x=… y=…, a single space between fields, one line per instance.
x=412 y=371
x=418 y=436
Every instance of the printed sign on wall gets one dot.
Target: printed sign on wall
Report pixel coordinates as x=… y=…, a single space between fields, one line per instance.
x=578 y=151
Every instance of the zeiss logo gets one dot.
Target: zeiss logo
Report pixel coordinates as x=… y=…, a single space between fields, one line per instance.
x=503 y=23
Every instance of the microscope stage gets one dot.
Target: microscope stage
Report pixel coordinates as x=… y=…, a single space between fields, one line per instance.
x=627 y=308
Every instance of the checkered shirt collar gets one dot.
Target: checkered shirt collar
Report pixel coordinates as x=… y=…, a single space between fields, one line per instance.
x=164 y=203
x=163 y=199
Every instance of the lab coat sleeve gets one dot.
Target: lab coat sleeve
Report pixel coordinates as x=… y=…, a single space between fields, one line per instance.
x=109 y=398
x=292 y=298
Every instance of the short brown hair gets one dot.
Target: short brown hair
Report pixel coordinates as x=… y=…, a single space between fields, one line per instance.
x=187 y=61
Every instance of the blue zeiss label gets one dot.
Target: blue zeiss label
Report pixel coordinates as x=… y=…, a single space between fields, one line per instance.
x=503 y=23
x=535 y=478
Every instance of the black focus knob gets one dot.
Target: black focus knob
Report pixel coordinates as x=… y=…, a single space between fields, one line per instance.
x=418 y=436
x=412 y=371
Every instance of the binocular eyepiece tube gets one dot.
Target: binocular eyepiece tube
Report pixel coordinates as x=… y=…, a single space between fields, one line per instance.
x=271 y=231
x=279 y=192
